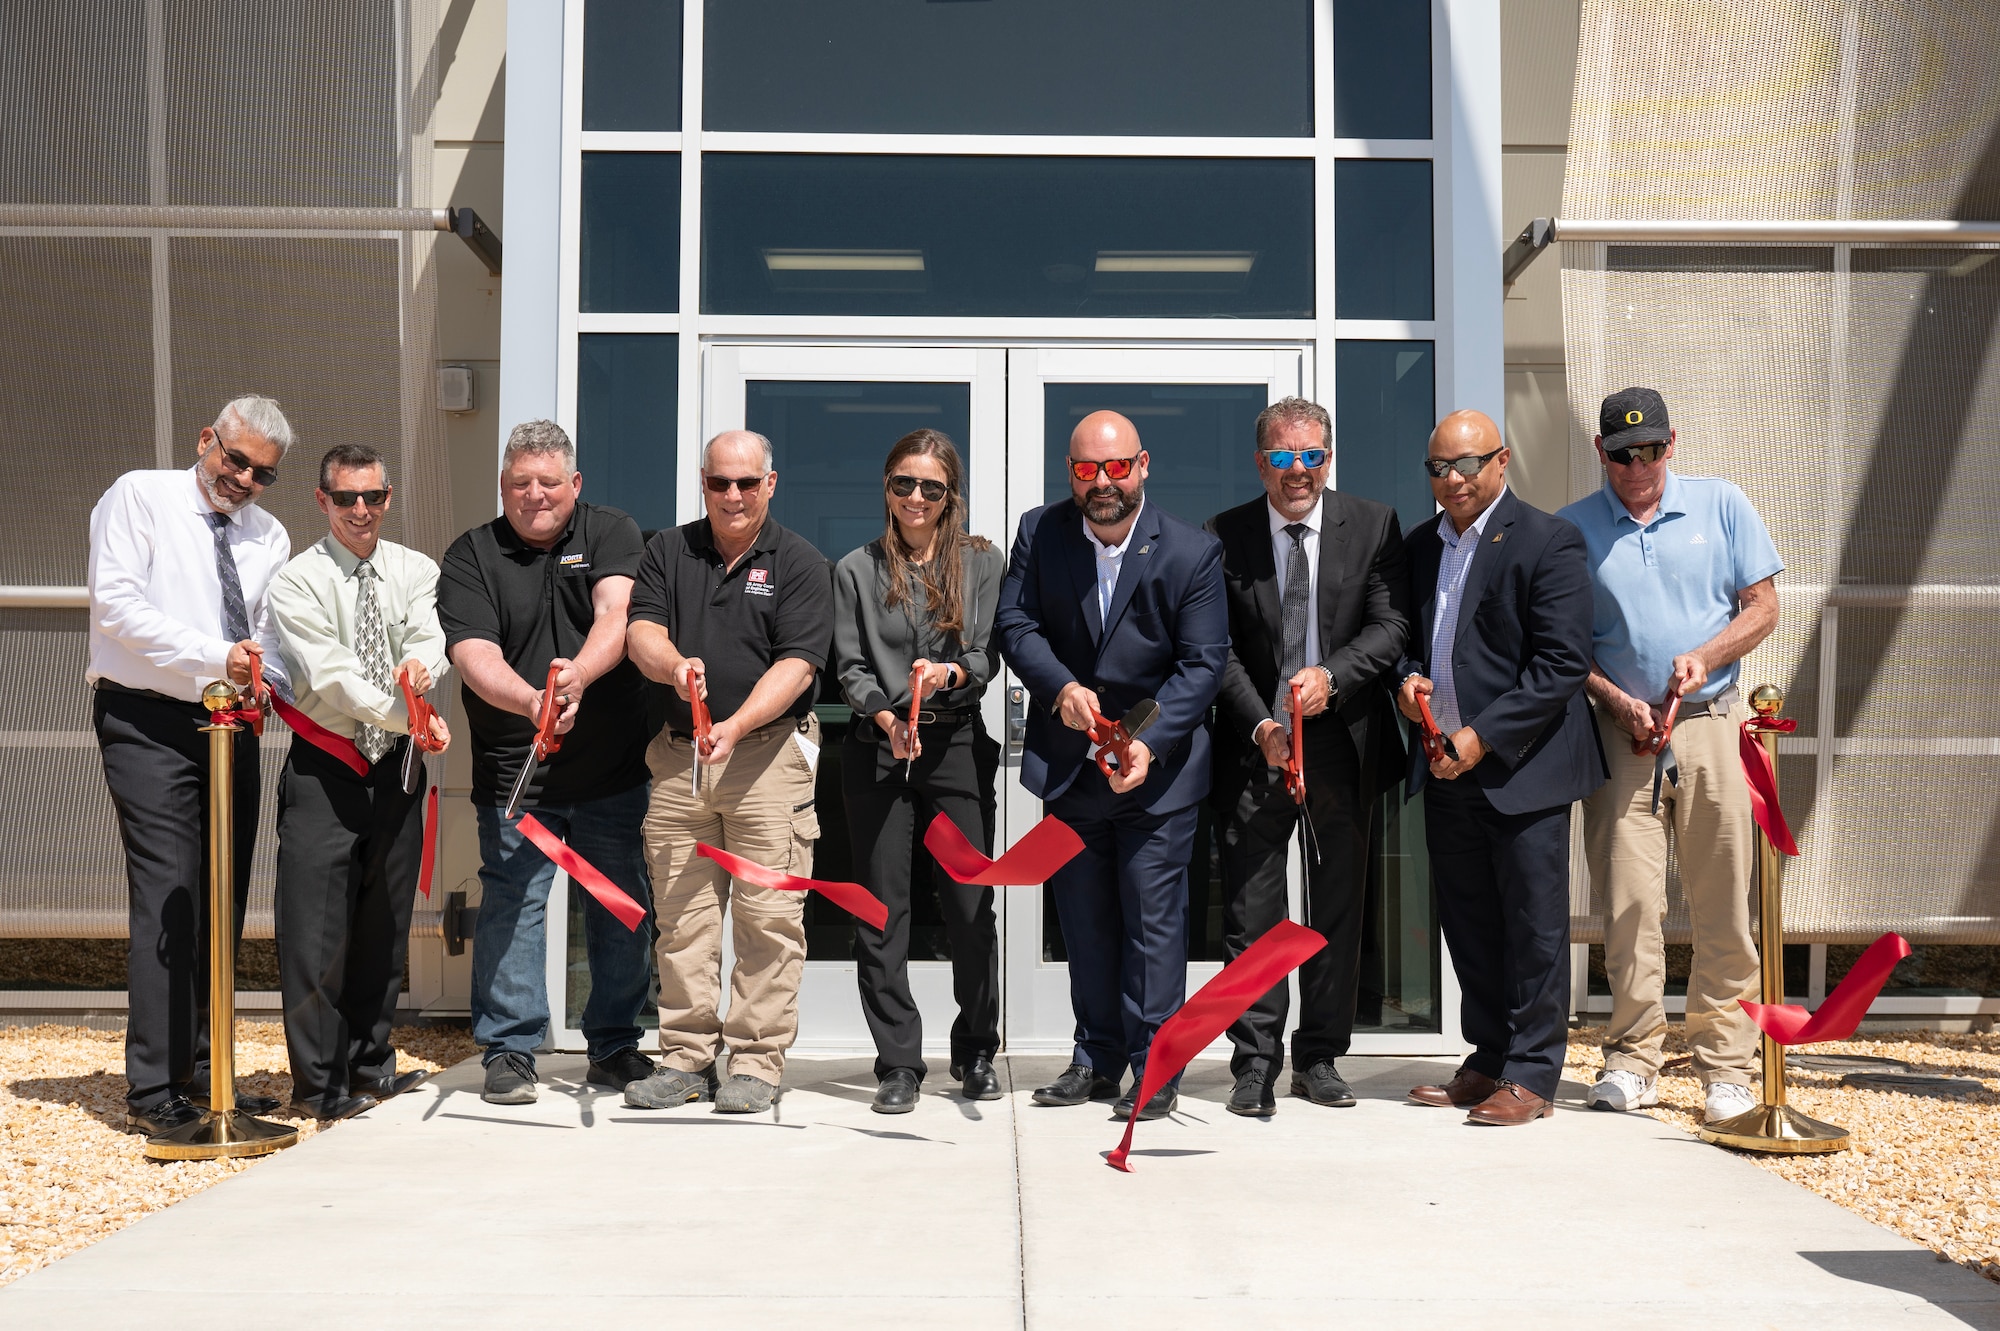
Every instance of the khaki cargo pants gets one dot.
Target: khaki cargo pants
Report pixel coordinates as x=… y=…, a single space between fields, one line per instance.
x=1709 y=814
x=758 y=803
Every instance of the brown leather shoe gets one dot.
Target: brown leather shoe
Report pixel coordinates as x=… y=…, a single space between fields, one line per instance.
x=1465 y=1089
x=1509 y=1107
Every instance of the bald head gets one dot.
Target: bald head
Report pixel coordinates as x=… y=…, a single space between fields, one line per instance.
x=1111 y=442
x=1106 y=431
x=1472 y=441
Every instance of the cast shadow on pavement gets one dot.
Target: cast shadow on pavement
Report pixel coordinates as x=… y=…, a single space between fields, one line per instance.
x=1942 y=1283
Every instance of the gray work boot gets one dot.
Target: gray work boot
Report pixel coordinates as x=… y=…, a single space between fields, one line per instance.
x=668 y=1087
x=745 y=1094
x=510 y=1080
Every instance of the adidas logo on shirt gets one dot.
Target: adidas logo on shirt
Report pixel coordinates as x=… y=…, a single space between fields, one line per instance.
x=1698 y=540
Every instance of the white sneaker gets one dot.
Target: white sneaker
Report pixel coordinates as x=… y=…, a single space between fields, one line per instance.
x=1621 y=1090
x=1727 y=1099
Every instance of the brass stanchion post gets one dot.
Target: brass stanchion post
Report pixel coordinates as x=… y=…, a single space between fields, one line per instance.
x=224 y=1130
x=1773 y=1126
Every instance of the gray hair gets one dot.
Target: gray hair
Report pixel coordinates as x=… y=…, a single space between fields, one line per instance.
x=260 y=416
x=351 y=456
x=762 y=442
x=1294 y=411
x=544 y=437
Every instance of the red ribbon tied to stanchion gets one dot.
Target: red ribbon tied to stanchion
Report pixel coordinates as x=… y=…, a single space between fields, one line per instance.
x=1048 y=846
x=853 y=898
x=582 y=872
x=1843 y=1009
x=1763 y=779
x=1222 y=1000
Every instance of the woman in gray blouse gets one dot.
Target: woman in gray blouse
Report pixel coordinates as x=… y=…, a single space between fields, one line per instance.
x=923 y=594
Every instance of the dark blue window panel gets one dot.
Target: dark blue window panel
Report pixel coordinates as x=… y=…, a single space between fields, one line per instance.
x=631 y=244
x=1018 y=67
x=1049 y=236
x=1200 y=440
x=1382 y=243
x=632 y=64
x=627 y=407
x=1382 y=69
x=1385 y=405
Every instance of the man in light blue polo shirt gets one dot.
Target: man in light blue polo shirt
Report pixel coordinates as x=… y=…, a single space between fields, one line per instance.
x=1683 y=572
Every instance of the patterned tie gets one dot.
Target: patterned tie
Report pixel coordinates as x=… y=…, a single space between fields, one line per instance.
x=235 y=617
x=1294 y=611
x=371 y=644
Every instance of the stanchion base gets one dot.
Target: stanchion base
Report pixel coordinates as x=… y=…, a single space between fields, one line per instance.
x=1779 y=1129
x=216 y=1136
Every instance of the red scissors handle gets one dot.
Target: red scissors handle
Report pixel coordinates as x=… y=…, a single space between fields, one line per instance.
x=255 y=711
x=420 y=712
x=546 y=739
x=1433 y=737
x=1114 y=745
x=699 y=706
x=1295 y=764
x=1663 y=729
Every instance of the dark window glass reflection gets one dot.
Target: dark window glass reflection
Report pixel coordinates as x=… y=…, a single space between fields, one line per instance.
x=1384 y=408
x=627 y=405
x=1018 y=67
x=1051 y=236
x=1198 y=438
x=632 y=64
x=1381 y=69
x=1382 y=239
x=630 y=255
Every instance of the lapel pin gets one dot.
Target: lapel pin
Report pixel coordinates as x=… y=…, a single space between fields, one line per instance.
x=1144 y=548
x=1497 y=535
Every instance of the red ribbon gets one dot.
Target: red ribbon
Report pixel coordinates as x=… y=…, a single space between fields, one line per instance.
x=1763 y=778
x=431 y=833
x=580 y=870
x=1843 y=1009
x=317 y=735
x=1048 y=846
x=853 y=898
x=1208 y=1014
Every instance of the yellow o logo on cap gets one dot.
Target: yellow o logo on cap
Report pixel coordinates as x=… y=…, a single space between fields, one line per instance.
x=1634 y=417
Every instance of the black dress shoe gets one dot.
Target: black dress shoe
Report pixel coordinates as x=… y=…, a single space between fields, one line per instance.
x=1323 y=1085
x=1162 y=1104
x=1078 y=1085
x=1252 y=1096
x=389 y=1087
x=898 y=1092
x=176 y=1111
x=332 y=1111
x=977 y=1079
x=249 y=1104
x=621 y=1069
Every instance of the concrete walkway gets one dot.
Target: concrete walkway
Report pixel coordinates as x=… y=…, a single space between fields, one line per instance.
x=440 y=1211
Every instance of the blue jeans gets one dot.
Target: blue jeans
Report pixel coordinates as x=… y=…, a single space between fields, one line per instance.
x=510 y=997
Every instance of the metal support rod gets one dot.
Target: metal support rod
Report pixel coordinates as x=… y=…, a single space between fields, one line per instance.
x=1542 y=232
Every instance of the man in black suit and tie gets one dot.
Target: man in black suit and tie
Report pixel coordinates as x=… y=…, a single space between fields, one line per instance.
x=1109 y=601
x=1318 y=597
x=1501 y=648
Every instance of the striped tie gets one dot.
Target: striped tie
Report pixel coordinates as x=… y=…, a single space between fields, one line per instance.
x=371 y=644
x=235 y=617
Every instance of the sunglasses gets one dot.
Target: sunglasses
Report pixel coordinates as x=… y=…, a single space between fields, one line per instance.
x=237 y=464
x=1117 y=469
x=1648 y=453
x=346 y=498
x=1281 y=459
x=903 y=486
x=1467 y=467
x=744 y=484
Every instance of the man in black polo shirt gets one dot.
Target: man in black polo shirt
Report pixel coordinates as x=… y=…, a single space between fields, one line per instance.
x=748 y=606
x=548 y=583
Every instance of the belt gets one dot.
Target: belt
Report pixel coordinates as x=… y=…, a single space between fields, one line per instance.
x=1719 y=705
x=785 y=723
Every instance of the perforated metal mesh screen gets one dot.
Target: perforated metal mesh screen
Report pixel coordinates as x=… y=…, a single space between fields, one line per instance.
x=127 y=342
x=1851 y=390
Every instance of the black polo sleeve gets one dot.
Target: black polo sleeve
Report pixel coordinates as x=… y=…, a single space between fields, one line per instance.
x=802 y=630
x=653 y=583
x=467 y=607
x=617 y=549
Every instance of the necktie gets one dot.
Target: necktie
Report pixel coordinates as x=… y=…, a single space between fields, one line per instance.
x=235 y=617
x=1294 y=611
x=371 y=644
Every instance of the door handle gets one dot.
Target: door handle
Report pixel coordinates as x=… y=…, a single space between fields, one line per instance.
x=1017 y=720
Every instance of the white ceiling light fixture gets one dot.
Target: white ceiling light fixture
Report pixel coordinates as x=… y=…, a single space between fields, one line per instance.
x=846 y=271
x=1171 y=272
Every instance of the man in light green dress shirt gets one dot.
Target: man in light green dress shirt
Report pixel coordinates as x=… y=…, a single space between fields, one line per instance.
x=349 y=845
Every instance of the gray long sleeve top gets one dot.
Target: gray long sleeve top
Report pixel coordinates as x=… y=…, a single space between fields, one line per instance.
x=874 y=646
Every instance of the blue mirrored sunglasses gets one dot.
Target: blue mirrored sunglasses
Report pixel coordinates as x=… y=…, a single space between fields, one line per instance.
x=1282 y=458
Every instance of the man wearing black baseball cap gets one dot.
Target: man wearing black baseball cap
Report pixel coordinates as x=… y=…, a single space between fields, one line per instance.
x=1682 y=568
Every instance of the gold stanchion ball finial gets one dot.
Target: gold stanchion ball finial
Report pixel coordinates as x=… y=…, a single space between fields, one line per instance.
x=1767 y=700
x=219 y=696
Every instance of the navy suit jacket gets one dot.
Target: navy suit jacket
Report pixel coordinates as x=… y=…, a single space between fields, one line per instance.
x=1520 y=655
x=1165 y=638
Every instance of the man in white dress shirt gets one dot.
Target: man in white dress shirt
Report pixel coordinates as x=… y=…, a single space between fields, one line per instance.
x=180 y=564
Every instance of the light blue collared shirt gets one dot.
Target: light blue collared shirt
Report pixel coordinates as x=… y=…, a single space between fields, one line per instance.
x=1458 y=553
x=1110 y=560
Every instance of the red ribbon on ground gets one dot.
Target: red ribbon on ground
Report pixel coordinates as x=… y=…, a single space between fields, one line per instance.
x=1048 y=846
x=580 y=870
x=853 y=898
x=1763 y=779
x=1844 y=1007
x=1208 y=1014
x=317 y=735
x=430 y=844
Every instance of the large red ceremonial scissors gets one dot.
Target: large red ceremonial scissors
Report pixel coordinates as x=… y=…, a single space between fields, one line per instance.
x=255 y=711
x=698 y=705
x=1437 y=744
x=1295 y=786
x=546 y=743
x=421 y=739
x=1114 y=738
x=917 y=673
x=1660 y=743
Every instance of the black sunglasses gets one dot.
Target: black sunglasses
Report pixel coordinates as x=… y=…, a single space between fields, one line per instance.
x=720 y=484
x=902 y=486
x=238 y=464
x=346 y=498
x=1467 y=467
x=1647 y=453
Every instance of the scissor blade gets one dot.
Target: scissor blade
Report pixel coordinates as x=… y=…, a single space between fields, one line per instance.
x=1141 y=714
x=413 y=763
x=521 y=783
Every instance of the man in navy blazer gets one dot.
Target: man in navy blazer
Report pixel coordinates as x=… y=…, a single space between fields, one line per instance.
x=1109 y=601
x=1500 y=645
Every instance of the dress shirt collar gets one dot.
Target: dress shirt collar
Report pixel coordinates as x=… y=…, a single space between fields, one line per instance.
x=345 y=559
x=1478 y=527
x=1114 y=551
x=1673 y=499
x=1279 y=521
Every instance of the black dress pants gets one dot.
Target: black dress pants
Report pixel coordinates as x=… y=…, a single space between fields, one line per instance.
x=886 y=817
x=1502 y=882
x=156 y=764
x=1257 y=833
x=349 y=849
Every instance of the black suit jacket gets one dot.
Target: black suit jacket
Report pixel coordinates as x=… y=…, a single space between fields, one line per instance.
x=1520 y=655
x=1364 y=624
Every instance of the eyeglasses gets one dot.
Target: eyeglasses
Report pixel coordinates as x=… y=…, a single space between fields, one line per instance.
x=1467 y=467
x=744 y=484
x=1648 y=453
x=236 y=463
x=1281 y=459
x=903 y=486
x=1117 y=469
x=346 y=498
